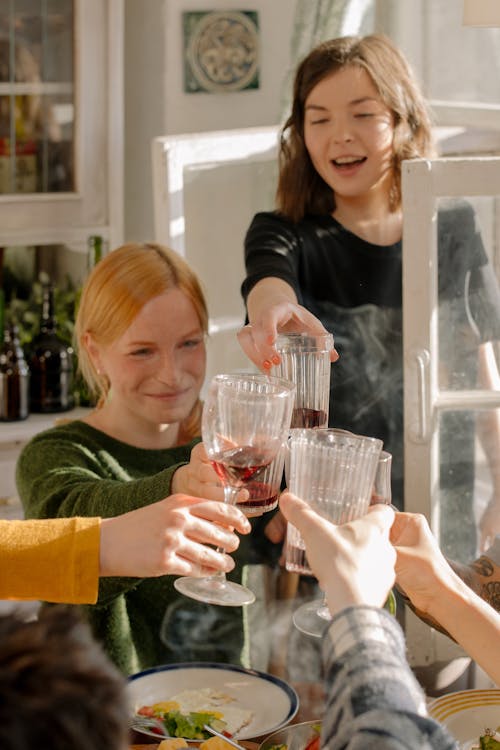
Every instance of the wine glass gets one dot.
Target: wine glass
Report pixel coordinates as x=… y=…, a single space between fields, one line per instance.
x=312 y=617
x=245 y=420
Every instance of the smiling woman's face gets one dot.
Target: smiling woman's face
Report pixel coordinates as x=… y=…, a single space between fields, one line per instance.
x=157 y=367
x=348 y=132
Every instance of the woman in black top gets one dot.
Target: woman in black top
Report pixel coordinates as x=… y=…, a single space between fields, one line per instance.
x=330 y=258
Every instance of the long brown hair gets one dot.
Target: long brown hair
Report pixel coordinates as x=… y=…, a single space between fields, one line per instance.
x=300 y=189
x=116 y=291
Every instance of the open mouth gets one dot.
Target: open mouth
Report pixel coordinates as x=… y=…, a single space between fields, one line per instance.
x=348 y=162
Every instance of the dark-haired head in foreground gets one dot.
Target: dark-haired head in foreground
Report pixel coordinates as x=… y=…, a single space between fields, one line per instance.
x=58 y=690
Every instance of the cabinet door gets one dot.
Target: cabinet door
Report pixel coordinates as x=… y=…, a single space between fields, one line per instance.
x=56 y=105
x=207 y=187
x=451 y=312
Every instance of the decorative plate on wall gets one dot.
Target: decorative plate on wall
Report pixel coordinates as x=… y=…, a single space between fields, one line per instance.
x=221 y=51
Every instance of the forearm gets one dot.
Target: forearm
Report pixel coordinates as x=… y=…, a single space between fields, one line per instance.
x=488 y=422
x=266 y=292
x=71 y=492
x=470 y=621
x=373 y=699
x=55 y=560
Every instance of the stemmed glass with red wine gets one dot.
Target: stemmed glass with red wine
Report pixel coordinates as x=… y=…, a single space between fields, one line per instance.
x=246 y=418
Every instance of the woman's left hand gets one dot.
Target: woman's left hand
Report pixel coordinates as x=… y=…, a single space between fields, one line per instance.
x=198 y=478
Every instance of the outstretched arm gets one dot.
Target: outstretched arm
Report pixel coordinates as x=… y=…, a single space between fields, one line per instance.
x=437 y=592
x=488 y=425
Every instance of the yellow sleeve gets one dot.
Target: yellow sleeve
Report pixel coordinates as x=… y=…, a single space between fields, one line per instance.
x=55 y=560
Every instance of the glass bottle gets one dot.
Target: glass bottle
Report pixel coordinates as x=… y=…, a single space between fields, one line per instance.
x=14 y=377
x=51 y=364
x=95 y=250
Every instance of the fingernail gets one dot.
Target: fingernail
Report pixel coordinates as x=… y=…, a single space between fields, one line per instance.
x=266 y=364
x=276 y=359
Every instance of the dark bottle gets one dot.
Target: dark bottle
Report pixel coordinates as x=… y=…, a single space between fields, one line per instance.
x=14 y=377
x=51 y=364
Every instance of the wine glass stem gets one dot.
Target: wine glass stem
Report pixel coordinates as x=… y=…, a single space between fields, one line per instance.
x=323 y=610
x=230 y=494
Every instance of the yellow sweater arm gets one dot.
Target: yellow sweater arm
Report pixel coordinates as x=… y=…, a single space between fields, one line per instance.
x=55 y=560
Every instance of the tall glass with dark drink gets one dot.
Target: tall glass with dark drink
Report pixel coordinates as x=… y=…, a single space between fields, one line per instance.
x=305 y=361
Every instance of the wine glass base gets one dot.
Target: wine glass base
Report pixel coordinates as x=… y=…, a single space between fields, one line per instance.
x=312 y=618
x=214 y=591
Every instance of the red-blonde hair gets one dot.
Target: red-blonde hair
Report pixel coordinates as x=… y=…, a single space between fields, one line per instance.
x=116 y=291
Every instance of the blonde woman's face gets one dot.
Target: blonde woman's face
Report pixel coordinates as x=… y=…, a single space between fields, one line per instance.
x=349 y=134
x=157 y=367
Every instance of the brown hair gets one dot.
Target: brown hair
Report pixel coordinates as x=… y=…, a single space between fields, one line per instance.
x=58 y=689
x=116 y=291
x=300 y=188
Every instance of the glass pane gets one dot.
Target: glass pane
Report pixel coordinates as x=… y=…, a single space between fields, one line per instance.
x=466 y=482
x=37 y=97
x=469 y=296
x=26 y=32
x=58 y=42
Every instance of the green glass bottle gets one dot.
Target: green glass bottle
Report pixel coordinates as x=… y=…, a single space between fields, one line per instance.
x=94 y=250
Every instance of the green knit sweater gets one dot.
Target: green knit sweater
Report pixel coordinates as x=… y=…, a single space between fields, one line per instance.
x=76 y=470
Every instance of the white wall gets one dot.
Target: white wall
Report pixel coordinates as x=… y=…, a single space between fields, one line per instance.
x=453 y=61
x=156 y=104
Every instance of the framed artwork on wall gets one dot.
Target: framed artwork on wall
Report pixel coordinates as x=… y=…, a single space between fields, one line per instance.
x=221 y=51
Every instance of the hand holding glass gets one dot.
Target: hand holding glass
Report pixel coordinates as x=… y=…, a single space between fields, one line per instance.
x=246 y=418
x=332 y=470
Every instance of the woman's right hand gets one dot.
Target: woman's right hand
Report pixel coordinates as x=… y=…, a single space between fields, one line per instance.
x=272 y=309
x=170 y=537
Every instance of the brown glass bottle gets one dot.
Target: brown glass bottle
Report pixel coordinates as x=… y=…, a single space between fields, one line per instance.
x=14 y=377
x=51 y=364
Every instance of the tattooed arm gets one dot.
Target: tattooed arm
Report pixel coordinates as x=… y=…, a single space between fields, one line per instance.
x=440 y=596
x=483 y=577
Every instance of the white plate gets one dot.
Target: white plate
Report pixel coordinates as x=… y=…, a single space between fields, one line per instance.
x=273 y=702
x=466 y=714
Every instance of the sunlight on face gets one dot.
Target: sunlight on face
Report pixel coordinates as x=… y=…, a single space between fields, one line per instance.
x=348 y=133
x=157 y=367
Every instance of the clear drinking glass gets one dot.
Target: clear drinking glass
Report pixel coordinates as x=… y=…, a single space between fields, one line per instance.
x=305 y=360
x=334 y=471
x=246 y=418
x=382 y=492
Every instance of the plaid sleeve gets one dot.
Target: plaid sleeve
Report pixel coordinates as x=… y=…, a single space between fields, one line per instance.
x=373 y=699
